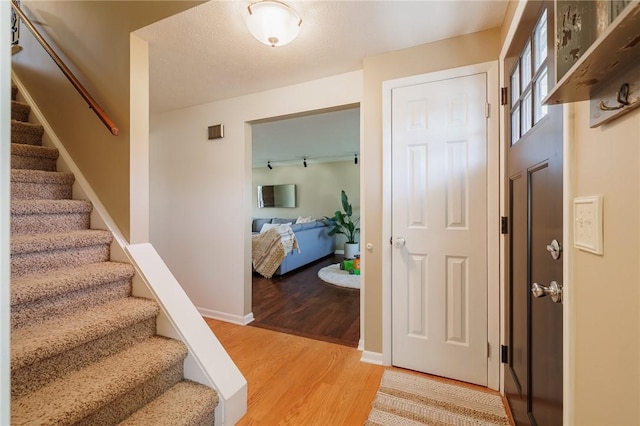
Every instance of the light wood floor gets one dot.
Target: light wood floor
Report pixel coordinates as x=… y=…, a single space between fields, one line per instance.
x=293 y=380
x=298 y=381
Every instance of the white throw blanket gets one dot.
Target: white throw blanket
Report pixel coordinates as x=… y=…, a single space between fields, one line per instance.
x=270 y=248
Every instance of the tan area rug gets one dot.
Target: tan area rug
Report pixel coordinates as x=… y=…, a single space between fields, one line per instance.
x=406 y=399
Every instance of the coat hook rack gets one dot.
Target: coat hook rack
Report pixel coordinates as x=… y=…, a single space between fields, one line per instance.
x=616 y=97
x=623 y=99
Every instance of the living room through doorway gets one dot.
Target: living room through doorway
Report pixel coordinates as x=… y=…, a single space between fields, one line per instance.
x=319 y=154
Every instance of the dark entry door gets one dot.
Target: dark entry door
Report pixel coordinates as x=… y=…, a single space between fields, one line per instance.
x=533 y=378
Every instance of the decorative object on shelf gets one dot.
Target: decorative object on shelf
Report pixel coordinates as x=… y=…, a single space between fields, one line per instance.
x=273 y=22
x=343 y=223
x=606 y=58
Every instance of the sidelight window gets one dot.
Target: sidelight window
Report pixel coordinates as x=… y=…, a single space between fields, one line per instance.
x=529 y=84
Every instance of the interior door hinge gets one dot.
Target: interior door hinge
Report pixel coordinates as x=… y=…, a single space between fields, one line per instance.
x=504 y=98
x=504 y=225
x=488 y=350
x=504 y=354
x=487 y=110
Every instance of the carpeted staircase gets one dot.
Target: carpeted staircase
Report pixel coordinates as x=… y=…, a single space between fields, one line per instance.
x=83 y=350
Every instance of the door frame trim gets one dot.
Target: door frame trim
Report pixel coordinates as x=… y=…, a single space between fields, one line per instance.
x=493 y=207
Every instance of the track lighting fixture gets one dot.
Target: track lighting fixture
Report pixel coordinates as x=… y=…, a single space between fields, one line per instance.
x=295 y=160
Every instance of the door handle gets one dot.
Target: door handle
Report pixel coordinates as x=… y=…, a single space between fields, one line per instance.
x=399 y=242
x=554 y=290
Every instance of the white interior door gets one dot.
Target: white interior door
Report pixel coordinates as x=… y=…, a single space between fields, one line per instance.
x=439 y=227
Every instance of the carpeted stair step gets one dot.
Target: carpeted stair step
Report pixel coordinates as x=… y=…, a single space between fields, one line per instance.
x=40 y=297
x=185 y=404
x=54 y=348
x=38 y=184
x=32 y=157
x=20 y=111
x=43 y=216
x=14 y=92
x=26 y=133
x=44 y=252
x=108 y=391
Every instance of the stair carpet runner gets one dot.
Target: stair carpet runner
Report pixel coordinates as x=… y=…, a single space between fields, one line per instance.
x=83 y=350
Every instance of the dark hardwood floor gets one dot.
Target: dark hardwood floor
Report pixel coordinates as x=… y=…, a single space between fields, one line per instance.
x=302 y=304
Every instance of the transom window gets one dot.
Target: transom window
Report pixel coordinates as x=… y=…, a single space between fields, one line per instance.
x=529 y=82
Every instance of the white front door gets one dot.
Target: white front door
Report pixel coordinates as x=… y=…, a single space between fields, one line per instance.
x=439 y=227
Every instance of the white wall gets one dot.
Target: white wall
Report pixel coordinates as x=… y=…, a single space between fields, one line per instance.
x=201 y=191
x=604 y=358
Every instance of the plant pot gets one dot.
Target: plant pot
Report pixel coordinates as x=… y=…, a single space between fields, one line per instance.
x=351 y=249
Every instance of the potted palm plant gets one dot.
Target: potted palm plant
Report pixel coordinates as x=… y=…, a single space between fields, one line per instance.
x=343 y=223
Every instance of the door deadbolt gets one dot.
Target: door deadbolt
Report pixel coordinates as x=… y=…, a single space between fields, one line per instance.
x=555 y=249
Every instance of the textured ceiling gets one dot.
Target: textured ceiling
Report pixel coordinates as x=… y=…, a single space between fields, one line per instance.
x=206 y=53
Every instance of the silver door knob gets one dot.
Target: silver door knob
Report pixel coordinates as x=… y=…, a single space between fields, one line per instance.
x=399 y=242
x=554 y=290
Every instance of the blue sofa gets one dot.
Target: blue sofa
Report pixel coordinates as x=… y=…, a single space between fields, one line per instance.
x=313 y=238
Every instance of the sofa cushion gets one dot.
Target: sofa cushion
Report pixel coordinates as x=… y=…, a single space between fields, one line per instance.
x=257 y=224
x=268 y=226
x=280 y=220
x=310 y=225
x=306 y=219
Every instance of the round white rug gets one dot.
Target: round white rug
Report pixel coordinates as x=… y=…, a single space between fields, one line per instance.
x=334 y=275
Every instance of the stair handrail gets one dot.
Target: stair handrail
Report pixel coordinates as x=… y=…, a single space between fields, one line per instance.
x=67 y=72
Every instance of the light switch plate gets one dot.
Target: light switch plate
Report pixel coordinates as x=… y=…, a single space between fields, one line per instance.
x=587 y=224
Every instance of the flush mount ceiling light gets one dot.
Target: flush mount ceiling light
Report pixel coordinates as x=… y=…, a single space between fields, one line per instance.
x=273 y=23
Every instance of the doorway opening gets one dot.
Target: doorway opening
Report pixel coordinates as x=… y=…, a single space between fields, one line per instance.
x=314 y=156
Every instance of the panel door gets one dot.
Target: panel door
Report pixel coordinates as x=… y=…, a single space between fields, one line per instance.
x=533 y=374
x=439 y=208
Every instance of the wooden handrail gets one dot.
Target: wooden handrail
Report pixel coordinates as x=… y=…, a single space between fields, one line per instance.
x=67 y=72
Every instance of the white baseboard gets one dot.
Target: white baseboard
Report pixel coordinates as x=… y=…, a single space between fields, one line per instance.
x=361 y=345
x=223 y=316
x=372 y=358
